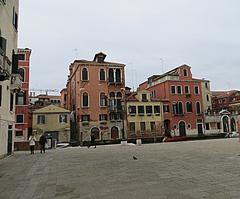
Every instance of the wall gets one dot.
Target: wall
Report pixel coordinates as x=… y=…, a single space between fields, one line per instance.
x=8 y=32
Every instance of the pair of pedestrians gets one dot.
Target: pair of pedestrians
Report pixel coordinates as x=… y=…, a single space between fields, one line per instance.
x=32 y=142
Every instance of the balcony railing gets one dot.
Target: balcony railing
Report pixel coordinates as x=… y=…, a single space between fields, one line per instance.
x=16 y=82
x=4 y=67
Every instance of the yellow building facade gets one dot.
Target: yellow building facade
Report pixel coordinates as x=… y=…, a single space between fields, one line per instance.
x=53 y=121
x=144 y=116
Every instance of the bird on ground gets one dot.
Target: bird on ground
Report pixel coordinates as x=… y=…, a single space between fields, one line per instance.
x=134 y=157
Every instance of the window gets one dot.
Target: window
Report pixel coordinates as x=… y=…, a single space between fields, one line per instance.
x=185 y=72
x=103 y=99
x=206 y=85
x=21 y=98
x=149 y=110
x=41 y=119
x=0 y=95
x=207 y=96
x=63 y=118
x=84 y=74
x=207 y=126
x=19 y=119
x=85 y=100
x=144 y=97
x=198 y=107
x=132 y=126
x=178 y=108
x=141 y=110
x=132 y=110
x=166 y=108
x=153 y=93
x=19 y=133
x=189 y=107
x=186 y=89
x=21 y=56
x=103 y=117
x=111 y=75
x=85 y=118
x=118 y=75
x=179 y=89
x=21 y=72
x=196 y=89
x=15 y=19
x=115 y=116
x=153 y=126
x=11 y=102
x=102 y=75
x=173 y=89
x=142 y=127
x=157 y=109
x=218 y=125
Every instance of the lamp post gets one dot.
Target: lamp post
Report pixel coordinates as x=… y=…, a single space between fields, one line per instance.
x=124 y=140
x=123 y=118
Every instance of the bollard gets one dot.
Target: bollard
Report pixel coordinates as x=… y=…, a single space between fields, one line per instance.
x=139 y=142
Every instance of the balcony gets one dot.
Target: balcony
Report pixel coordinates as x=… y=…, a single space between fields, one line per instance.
x=4 y=67
x=16 y=82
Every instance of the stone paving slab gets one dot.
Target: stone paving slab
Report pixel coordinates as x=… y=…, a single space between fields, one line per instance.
x=189 y=170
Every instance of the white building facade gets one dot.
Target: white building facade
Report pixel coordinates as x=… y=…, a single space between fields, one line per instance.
x=10 y=81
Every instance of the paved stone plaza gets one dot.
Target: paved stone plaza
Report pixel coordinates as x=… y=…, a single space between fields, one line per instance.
x=199 y=169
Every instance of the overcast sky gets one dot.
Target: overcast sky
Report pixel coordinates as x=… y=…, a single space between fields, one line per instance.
x=149 y=36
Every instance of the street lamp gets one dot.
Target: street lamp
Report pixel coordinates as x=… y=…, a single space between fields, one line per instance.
x=123 y=118
x=124 y=140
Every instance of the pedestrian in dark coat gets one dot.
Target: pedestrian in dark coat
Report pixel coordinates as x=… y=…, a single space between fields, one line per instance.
x=42 y=142
x=93 y=143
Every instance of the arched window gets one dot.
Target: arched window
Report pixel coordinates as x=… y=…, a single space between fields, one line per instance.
x=84 y=74
x=85 y=100
x=198 y=107
x=189 y=107
x=111 y=75
x=119 y=95
x=21 y=72
x=103 y=99
x=112 y=95
x=102 y=74
x=118 y=75
x=180 y=108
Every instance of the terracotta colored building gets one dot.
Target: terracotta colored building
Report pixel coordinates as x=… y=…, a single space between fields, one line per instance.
x=181 y=95
x=95 y=92
x=22 y=112
x=63 y=98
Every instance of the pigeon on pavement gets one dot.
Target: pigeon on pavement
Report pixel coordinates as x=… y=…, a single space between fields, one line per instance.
x=135 y=158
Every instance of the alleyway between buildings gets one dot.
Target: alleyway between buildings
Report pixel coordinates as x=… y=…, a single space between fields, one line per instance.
x=201 y=169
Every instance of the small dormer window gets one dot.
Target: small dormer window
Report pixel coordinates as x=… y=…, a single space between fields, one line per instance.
x=144 y=97
x=185 y=72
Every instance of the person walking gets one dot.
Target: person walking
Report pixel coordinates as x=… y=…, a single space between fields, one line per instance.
x=32 y=142
x=42 y=142
x=93 y=143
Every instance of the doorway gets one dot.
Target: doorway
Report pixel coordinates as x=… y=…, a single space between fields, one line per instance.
x=182 y=129
x=114 y=133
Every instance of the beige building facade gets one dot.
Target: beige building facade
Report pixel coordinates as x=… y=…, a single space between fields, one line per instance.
x=53 y=121
x=144 y=116
x=10 y=81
